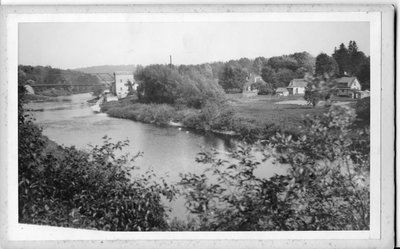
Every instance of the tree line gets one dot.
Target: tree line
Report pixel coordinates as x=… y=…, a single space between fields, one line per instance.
x=275 y=72
x=345 y=61
x=35 y=75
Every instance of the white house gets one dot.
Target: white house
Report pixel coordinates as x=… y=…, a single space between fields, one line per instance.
x=348 y=87
x=297 y=86
x=122 y=80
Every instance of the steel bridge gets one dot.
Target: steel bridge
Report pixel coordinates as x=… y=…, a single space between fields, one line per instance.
x=64 y=85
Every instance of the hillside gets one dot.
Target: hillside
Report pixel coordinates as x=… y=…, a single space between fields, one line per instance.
x=105 y=69
x=39 y=75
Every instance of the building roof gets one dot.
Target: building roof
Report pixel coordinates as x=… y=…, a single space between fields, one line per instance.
x=298 y=83
x=344 y=82
x=281 y=89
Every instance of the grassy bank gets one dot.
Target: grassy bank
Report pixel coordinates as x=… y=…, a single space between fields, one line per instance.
x=247 y=118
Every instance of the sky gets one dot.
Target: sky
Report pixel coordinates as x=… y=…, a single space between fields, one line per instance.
x=75 y=45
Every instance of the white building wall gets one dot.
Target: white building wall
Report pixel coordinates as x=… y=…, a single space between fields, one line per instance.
x=121 y=84
x=356 y=85
x=301 y=90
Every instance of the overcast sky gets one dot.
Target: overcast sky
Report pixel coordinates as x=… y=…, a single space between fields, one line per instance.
x=73 y=45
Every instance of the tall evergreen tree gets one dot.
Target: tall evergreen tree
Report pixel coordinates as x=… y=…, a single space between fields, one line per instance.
x=357 y=58
x=342 y=58
x=364 y=74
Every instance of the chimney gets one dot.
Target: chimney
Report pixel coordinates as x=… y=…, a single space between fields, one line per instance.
x=170 y=61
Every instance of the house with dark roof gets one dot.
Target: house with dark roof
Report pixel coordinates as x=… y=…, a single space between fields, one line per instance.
x=349 y=87
x=297 y=86
x=282 y=91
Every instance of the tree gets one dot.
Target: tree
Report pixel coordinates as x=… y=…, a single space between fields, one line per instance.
x=54 y=76
x=131 y=91
x=363 y=111
x=284 y=76
x=246 y=64
x=357 y=58
x=258 y=65
x=97 y=90
x=268 y=75
x=364 y=74
x=342 y=58
x=279 y=62
x=233 y=77
x=319 y=88
x=326 y=65
x=305 y=60
x=159 y=84
x=264 y=88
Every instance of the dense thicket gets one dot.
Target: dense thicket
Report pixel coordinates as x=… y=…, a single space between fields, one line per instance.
x=191 y=86
x=276 y=71
x=280 y=70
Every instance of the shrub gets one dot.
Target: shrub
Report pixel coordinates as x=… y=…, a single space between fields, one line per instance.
x=326 y=186
x=94 y=189
x=363 y=107
x=148 y=113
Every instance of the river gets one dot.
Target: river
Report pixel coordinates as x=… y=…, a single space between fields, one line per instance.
x=70 y=121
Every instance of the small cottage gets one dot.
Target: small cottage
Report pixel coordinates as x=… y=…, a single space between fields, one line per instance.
x=297 y=86
x=282 y=91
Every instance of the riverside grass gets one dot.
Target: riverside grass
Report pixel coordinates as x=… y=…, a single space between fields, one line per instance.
x=248 y=118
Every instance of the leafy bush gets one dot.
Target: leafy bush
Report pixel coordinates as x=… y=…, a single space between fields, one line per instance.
x=319 y=88
x=264 y=88
x=93 y=189
x=326 y=186
x=363 y=107
x=148 y=113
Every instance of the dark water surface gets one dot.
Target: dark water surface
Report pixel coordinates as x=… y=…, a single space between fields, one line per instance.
x=167 y=150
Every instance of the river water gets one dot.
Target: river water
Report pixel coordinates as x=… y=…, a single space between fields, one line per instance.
x=69 y=120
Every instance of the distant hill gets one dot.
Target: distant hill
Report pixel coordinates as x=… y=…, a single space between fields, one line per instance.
x=40 y=75
x=106 y=68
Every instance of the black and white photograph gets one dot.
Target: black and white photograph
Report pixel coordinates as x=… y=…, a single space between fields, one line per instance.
x=197 y=124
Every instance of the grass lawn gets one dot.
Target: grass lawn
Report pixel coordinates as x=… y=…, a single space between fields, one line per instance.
x=265 y=109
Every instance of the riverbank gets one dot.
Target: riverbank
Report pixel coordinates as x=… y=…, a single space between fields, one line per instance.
x=167 y=115
x=249 y=119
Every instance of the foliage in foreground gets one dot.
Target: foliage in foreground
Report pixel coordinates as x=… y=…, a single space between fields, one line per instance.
x=95 y=189
x=320 y=88
x=326 y=186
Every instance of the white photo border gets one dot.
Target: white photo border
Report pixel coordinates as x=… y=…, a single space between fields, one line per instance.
x=9 y=129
